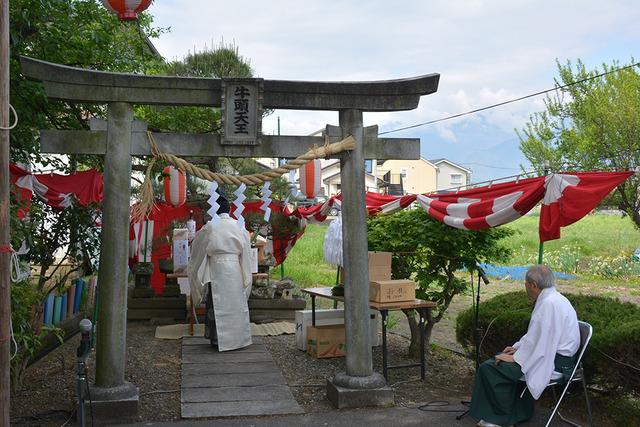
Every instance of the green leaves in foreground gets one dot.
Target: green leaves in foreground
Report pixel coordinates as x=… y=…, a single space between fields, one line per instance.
x=431 y=252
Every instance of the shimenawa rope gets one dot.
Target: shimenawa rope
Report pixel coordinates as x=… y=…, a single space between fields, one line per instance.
x=146 y=191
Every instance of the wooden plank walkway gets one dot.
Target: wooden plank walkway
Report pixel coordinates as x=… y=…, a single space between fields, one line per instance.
x=242 y=382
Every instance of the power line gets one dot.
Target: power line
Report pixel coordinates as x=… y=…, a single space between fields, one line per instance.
x=488 y=166
x=542 y=92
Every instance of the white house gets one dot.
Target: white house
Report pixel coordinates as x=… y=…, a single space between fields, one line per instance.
x=331 y=177
x=449 y=174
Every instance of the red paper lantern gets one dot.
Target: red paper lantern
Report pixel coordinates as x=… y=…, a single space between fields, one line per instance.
x=127 y=10
x=175 y=186
x=311 y=178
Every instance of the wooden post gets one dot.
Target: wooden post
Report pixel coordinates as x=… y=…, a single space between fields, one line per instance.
x=5 y=237
x=112 y=289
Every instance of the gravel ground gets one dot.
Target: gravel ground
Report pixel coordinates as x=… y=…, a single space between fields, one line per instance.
x=154 y=366
x=448 y=374
x=47 y=398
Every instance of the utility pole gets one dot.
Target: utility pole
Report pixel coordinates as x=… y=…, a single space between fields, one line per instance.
x=5 y=239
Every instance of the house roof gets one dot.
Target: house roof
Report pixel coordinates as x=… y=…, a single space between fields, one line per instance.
x=421 y=158
x=325 y=179
x=330 y=164
x=443 y=160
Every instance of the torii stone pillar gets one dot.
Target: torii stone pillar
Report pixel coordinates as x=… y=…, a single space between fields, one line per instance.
x=110 y=384
x=359 y=385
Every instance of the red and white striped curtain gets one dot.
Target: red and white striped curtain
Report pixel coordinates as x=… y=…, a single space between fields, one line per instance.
x=565 y=199
x=56 y=190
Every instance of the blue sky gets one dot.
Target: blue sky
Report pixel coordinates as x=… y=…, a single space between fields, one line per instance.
x=485 y=51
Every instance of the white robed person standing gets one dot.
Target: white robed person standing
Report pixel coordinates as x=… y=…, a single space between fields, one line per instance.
x=550 y=344
x=220 y=271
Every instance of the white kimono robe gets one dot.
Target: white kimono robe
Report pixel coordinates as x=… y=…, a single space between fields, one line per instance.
x=220 y=254
x=553 y=328
x=333 y=242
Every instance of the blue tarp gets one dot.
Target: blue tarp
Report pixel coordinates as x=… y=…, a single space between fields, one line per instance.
x=515 y=272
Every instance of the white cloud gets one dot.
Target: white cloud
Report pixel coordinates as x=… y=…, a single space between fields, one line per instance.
x=487 y=51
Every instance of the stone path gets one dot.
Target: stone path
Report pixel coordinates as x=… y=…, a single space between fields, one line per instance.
x=243 y=382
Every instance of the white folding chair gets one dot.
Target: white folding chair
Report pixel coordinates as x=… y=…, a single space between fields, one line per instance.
x=576 y=375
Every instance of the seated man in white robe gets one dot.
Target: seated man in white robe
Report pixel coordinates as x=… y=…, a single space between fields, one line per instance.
x=220 y=260
x=551 y=343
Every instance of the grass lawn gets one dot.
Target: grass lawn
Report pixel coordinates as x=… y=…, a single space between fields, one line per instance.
x=305 y=263
x=597 y=248
x=593 y=235
x=594 y=239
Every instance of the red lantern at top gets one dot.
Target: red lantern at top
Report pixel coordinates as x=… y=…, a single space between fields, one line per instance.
x=127 y=10
x=175 y=186
x=310 y=178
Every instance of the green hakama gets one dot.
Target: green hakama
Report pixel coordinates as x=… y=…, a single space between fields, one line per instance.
x=497 y=389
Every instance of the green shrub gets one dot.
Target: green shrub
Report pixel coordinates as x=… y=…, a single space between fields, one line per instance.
x=431 y=253
x=616 y=334
x=27 y=334
x=625 y=410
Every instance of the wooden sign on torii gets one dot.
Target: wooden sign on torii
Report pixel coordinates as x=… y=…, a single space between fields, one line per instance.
x=124 y=138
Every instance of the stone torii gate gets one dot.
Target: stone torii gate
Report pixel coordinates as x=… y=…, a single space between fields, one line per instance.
x=124 y=138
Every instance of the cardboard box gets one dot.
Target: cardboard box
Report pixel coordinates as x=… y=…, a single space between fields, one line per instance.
x=331 y=317
x=392 y=290
x=379 y=267
x=326 y=341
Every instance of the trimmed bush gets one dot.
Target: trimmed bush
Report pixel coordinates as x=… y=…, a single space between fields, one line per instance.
x=616 y=333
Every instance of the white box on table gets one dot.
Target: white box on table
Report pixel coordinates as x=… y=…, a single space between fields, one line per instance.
x=330 y=317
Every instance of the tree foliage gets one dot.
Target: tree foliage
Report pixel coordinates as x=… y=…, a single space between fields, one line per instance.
x=79 y=33
x=592 y=124
x=221 y=61
x=432 y=254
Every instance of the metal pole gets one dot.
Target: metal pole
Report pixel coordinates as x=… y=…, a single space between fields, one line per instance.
x=423 y=315
x=385 y=373
x=540 y=252
x=354 y=231
x=547 y=165
x=282 y=254
x=5 y=235
x=112 y=290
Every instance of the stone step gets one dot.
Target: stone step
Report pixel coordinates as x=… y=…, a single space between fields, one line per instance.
x=261 y=316
x=242 y=382
x=144 y=314
x=231 y=394
x=277 y=304
x=238 y=409
x=233 y=380
x=158 y=302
